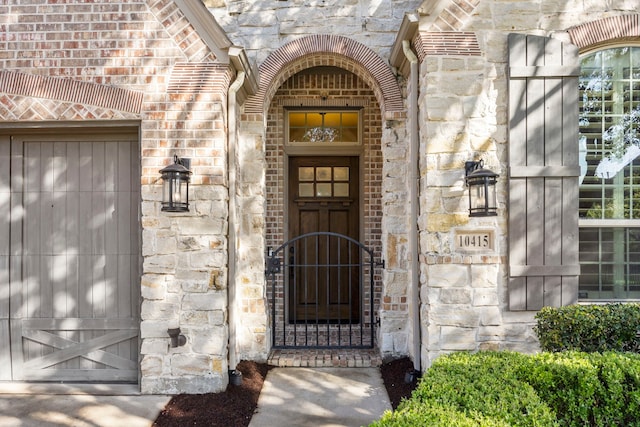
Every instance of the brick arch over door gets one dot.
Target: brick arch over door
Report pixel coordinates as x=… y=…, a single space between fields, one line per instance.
x=606 y=29
x=318 y=50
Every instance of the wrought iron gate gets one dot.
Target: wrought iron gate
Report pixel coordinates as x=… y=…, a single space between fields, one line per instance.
x=321 y=292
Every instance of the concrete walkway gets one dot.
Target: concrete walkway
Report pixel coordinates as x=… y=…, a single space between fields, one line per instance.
x=291 y=397
x=29 y=405
x=321 y=397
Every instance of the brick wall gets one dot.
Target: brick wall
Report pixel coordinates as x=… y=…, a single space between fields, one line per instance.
x=130 y=61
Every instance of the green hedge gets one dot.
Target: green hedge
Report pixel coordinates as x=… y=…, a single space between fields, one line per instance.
x=498 y=389
x=589 y=328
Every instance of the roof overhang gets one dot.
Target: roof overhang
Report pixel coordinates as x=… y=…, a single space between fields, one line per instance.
x=408 y=30
x=217 y=41
x=240 y=61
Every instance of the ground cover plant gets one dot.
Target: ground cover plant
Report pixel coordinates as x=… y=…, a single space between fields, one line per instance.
x=500 y=389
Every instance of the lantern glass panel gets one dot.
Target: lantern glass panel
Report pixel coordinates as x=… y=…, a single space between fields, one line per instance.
x=175 y=191
x=482 y=195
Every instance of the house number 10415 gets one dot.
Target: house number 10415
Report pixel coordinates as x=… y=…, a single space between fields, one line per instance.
x=474 y=240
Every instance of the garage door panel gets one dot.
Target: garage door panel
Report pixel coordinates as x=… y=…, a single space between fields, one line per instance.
x=91 y=352
x=74 y=263
x=5 y=354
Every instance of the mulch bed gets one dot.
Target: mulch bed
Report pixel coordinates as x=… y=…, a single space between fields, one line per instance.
x=393 y=375
x=235 y=406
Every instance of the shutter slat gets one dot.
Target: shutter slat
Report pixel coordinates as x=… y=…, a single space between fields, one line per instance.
x=543 y=173
x=549 y=71
x=530 y=270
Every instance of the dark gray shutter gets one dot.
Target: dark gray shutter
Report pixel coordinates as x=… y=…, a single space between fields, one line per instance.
x=543 y=172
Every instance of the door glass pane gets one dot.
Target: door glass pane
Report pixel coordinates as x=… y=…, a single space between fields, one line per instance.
x=323 y=173
x=305 y=190
x=341 y=189
x=323 y=190
x=305 y=174
x=341 y=173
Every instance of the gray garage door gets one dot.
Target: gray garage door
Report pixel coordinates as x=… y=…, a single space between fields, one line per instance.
x=69 y=257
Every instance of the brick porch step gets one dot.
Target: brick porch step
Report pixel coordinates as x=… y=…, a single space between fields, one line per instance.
x=341 y=358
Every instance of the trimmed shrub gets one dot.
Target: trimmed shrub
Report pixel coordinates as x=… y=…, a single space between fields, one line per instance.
x=472 y=390
x=497 y=389
x=587 y=389
x=589 y=328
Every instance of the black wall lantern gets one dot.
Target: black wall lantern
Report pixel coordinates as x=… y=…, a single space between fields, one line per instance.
x=482 y=189
x=175 y=186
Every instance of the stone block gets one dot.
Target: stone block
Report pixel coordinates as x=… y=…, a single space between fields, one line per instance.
x=216 y=317
x=457 y=338
x=193 y=286
x=184 y=384
x=153 y=329
x=203 y=226
x=448 y=275
x=210 y=192
x=432 y=337
x=485 y=275
x=490 y=316
x=160 y=264
x=489 y=346
x=191 y=243
x=209 y=259
x=151 y=366
x=165 y=242
x=210 y=341
x=194 y=317
x=446 y=109
x=446 y=178
x=454 y=316
x=445 y=222
x=460 y=84
x=455 y=296
x=400 y=343
x=155 y=346
x=386 y=343
x=156 y=310
x=153 y=287
x=207 y=301
x=485 y=297
x=190 y=364
x=148 y=242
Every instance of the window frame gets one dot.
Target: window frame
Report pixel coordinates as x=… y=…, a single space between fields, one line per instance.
x=625 y=224
x=333 y=144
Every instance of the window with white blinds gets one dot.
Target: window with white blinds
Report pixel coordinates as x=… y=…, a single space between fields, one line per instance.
x=609 y=155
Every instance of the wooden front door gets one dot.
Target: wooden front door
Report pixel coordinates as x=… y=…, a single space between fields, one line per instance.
x=324 y=286
x=70 y=258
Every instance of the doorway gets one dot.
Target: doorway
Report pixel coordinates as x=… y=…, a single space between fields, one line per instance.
x=324 y=197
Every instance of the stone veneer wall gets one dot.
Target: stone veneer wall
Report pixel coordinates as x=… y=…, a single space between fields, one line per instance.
x=113 y=60
x=361 y=36
x=463 y=116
